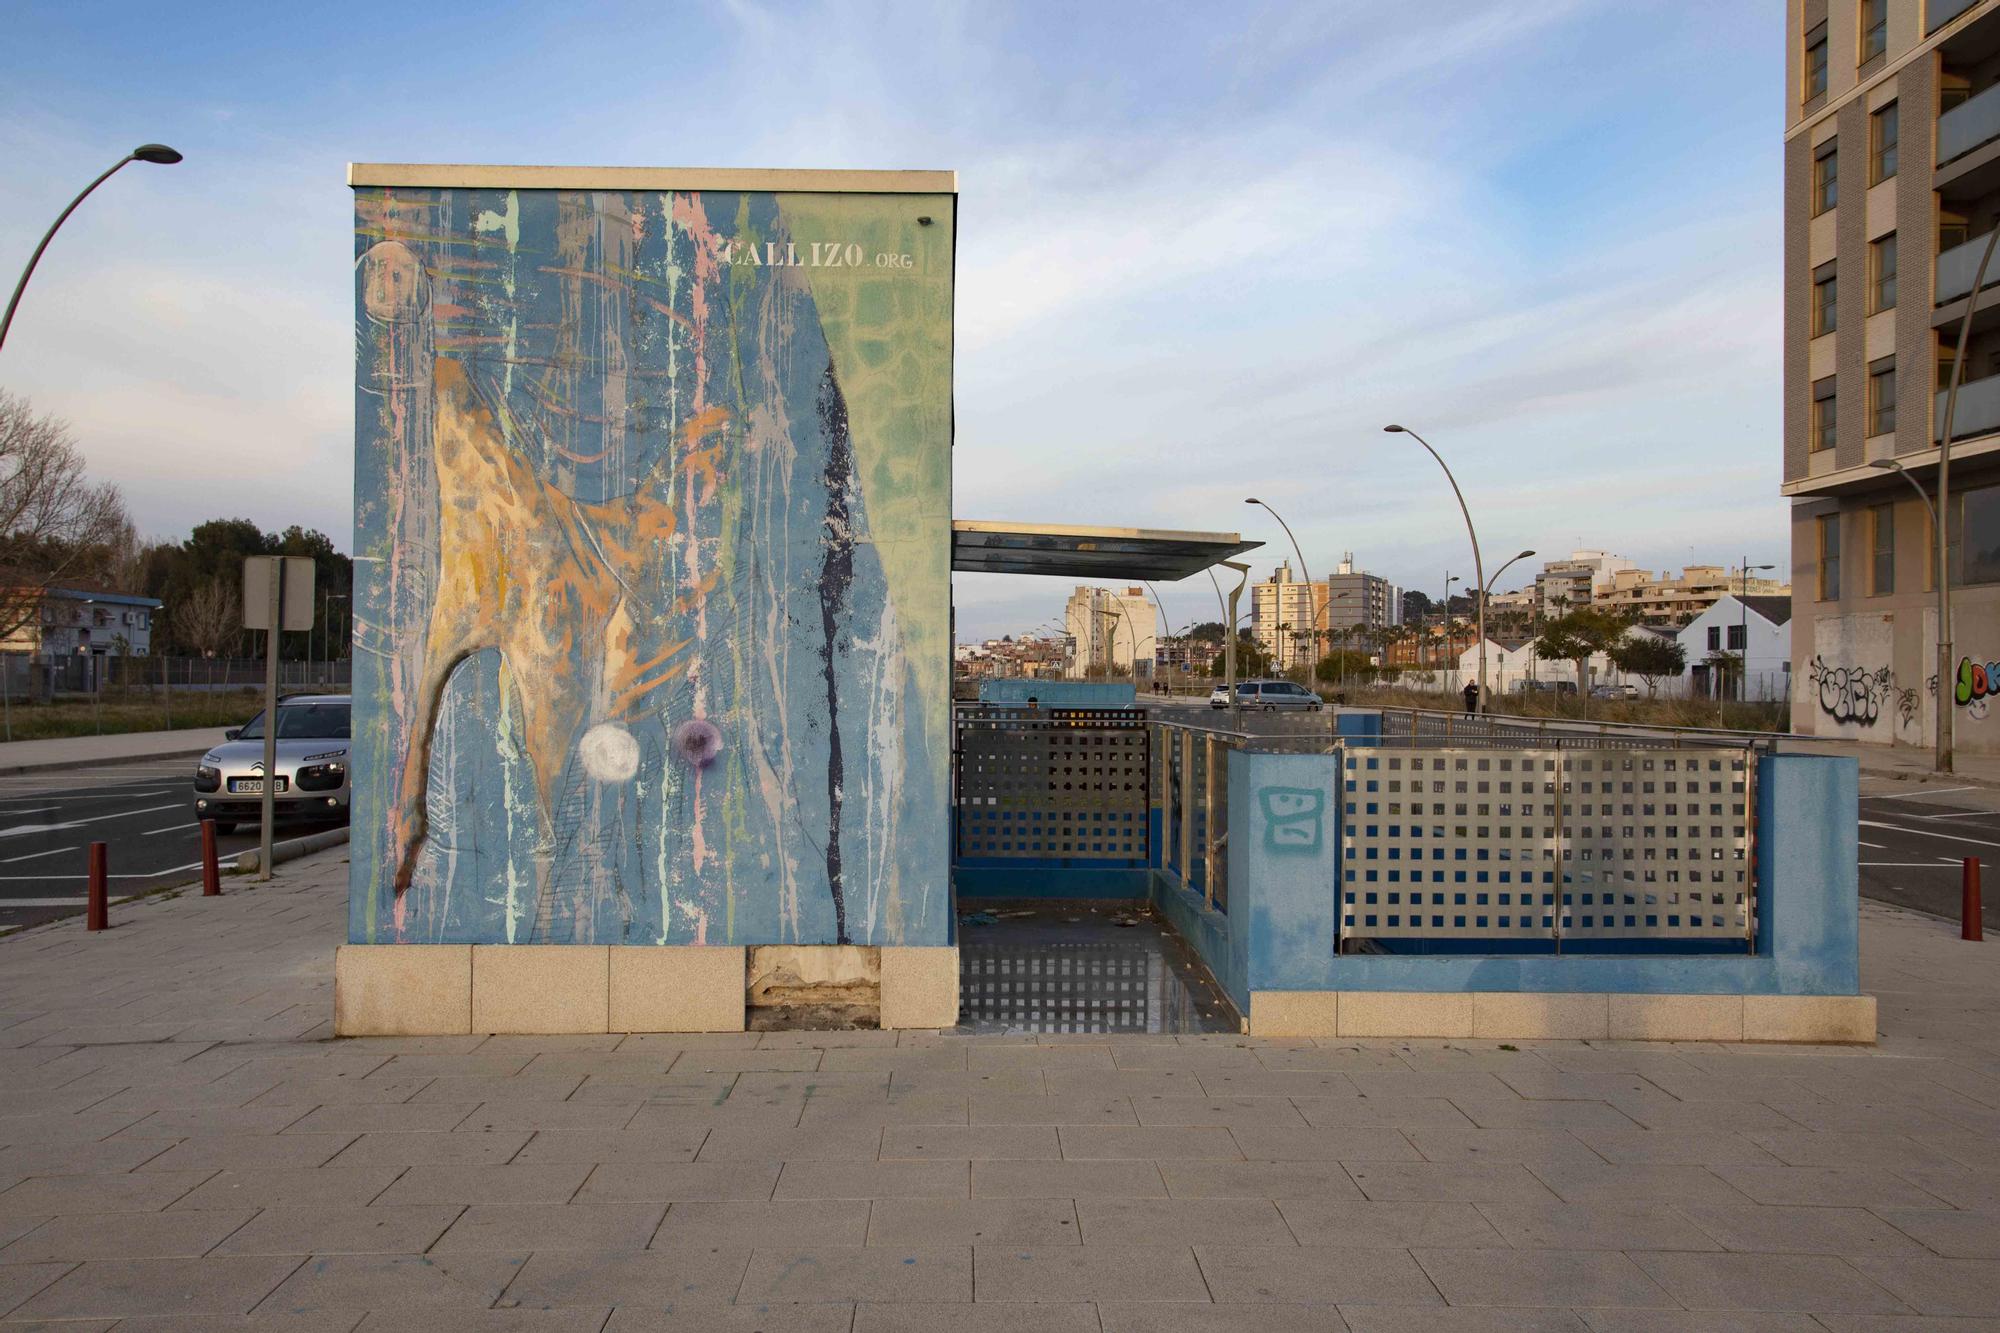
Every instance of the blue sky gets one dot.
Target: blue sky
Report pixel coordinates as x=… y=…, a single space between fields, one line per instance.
x=1205 y=251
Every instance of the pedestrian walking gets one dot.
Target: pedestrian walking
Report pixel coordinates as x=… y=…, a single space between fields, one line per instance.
x=1471 y=697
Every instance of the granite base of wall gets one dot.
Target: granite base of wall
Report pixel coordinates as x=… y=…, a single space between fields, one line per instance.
x=1545 y=1017
x=382 y=990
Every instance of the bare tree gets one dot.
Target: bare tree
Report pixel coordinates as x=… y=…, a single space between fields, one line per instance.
x=210 y=619
x=55 y=524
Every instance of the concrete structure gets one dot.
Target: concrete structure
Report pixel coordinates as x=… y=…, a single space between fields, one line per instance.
x=1356 y=601
x=1109 y=631
x=1288 y=617
x=1892 y=166
x=84 y=620
x=653 y=616
x=1765 y=654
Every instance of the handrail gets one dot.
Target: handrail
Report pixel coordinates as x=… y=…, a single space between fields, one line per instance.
x=1587 y=726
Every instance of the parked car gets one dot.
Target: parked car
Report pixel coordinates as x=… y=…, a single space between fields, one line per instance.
x=1269 y=695
x=1546 y=687
x=314 y=731
x=1614 y=691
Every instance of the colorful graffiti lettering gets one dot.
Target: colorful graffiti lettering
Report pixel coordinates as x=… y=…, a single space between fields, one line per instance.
x=1974 y=683
x=1850 y=694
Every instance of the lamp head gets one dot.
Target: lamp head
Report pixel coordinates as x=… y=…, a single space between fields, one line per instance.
x=1886 y=464
x=157 y=153
x=1393 y=430
x=1524 y=555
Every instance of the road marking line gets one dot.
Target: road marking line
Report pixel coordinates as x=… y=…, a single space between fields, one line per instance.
x=1924 y=865
x=1928 y=833
x=1928 y=791
x=171 y=828
x=1878 y=846
x=44 y=879
x=32 y=855
x=6 y=903
x=1962 y=814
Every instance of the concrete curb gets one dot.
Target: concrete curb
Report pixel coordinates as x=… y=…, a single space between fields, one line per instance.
x=55 y=765
x=293 y=850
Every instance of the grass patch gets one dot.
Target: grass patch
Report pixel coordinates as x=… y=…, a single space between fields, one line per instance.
x=120 y=714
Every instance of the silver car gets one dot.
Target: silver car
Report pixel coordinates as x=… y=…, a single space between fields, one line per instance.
x=1269 y=695
x=314 y=732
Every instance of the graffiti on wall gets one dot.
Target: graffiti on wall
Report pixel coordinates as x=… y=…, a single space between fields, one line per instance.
x=1854 y=695
x=652 y=538
x=1973 y=684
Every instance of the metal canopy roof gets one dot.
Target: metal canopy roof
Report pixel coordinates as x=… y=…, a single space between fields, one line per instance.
x=1068 y=551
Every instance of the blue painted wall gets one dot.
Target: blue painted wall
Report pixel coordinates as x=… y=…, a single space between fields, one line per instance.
x=652 y=535
x=1059 y=693
x=1281 y=929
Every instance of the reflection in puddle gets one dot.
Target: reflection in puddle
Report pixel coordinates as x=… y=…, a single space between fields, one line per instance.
x=1062 y=966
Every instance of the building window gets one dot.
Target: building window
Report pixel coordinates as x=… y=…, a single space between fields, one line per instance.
x=1714 y=639
x=1882 y=544
x=1826 y=178
x=1979 y=536
x=1882 y=397
x=1823 y=414
x=1736 y=638
x=1825 y=295
x=1882 y=274
x=1816 y=62
x=1874 y=29
x=1882 y=145
x=1829 y=557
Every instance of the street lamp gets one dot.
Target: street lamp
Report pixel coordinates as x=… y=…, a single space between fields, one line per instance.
x=1485 y=591
x=1743 y=609
x=157 y=153
x=1304 y=573
x=1942 y=704
x=1478 y=568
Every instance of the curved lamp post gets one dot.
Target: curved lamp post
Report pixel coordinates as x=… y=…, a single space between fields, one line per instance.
x=157 y=153
x=1941 y=516
x=1478 y=568
x=1943 y=705
x=1485 y=591
x=1305 y=574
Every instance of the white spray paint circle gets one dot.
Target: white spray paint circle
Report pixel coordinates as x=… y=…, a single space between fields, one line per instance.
x=609 y=753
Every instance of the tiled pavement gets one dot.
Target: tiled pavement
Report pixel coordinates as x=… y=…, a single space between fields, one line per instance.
x=185 y=1147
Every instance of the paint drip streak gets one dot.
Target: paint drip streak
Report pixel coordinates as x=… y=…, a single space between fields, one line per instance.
x=836 y=581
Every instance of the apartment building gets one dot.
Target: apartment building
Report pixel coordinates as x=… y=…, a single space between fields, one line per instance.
x=1110 y=631
x=1577 y=580
x=1358 y=600
x=1287 y=615
x=1674 y=601
x=1892 y=154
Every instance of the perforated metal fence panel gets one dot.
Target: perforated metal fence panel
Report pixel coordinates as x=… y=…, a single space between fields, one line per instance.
x=1063 y=988
x=1546 y=845
x=1053 y=784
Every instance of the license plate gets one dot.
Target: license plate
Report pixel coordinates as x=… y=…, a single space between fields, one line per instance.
x=252 y=786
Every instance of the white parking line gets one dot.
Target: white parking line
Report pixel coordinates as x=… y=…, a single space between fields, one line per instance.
x=34 y=855
x=171 y=828
x=1928 y=833
x=1928 y=791
x=1878 y=846
x=1927 y=865
x=44 y=879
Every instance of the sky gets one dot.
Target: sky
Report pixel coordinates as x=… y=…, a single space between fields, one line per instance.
x=1205 y=251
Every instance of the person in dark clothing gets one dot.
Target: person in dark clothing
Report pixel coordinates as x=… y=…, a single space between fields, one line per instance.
x=1471 y=696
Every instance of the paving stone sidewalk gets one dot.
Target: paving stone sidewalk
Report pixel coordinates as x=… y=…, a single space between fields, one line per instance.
x=185 y=1147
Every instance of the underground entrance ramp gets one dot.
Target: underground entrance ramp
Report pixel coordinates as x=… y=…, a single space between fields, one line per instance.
x=1087 y=966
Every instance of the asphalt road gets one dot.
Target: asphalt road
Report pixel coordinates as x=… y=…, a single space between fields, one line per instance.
x=145 y=812
x=1915 y=836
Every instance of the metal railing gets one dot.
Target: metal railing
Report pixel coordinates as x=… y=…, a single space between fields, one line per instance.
x=1978 y=410
x=1422 y=726
x=1968 y=125
x=1547 y=848
x=1192 y=779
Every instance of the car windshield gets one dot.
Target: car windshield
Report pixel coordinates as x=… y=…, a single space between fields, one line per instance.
x=300 y=722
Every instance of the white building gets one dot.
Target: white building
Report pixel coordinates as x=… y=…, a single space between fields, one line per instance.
x=1756 y=629
x=1110 y=631
x=1577 y=580
x=78 y=620
x=1287 y=616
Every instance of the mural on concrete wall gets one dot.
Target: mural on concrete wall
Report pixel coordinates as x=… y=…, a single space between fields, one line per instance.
x=652 y=561
x=1854 y=688
x=1973 y=684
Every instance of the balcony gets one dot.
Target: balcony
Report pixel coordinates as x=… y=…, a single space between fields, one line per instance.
x=1978 y=411
x=1957 y=267
x=1968 y=125
x=1940 y=12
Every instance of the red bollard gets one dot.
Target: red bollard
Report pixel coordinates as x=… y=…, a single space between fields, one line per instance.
x=211 y=877
x=97 y=914
x=1971 y=919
